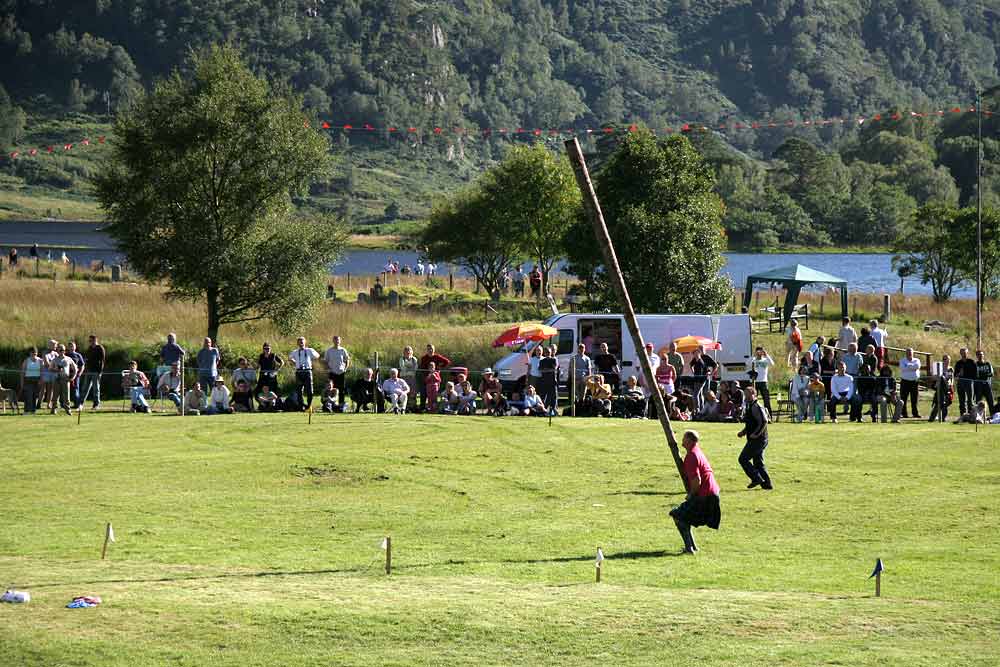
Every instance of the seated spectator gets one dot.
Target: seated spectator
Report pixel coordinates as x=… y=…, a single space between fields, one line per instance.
x=397 y=391
x=136 y=384
x=842 y=392
x=491 y=392
x=329 y=400
x=870 y=358
x=533 y=404
x=632 y=402
x=827 y=368
x=977 y=415
x=599 y=394
x=800 y=393
x=195 y=401
x=244 y=373
x=865 y=387
x=242 y=400
x=516 y=405
x=853 y=360
x=218 y=401
x=710 y=409
x=267 y=400
x=169 y=385
x=366 y=392
x=680 y=413
x=817 y=396
x=449 y=399
x=886 y=395
x=466 y=399
x=810 y=362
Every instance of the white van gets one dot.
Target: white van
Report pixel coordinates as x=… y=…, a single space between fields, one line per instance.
x=732 y=331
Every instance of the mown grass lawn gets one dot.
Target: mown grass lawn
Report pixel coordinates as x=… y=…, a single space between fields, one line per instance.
x=254 y=540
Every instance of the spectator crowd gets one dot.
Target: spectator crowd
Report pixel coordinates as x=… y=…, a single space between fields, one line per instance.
x=848 y=376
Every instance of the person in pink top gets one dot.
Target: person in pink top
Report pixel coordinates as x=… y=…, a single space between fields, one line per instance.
x=701 y=508
x=432 y=383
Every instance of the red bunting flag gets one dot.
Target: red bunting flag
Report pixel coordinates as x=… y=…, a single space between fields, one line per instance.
x=33 y=152
x=325 y=125
x=438 y=130
x=50 y=149
x=100 y=140
x=13 y=156
x=348 y=127
x=685 y=128
x=68 y=147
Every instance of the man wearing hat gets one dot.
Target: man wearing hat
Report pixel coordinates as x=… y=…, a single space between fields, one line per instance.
x=701 y=508
x=491 y=391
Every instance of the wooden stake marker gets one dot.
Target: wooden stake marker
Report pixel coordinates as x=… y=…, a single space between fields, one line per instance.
x=877 y=573
x=597 y=564
x=109 y=536
x=387 y=545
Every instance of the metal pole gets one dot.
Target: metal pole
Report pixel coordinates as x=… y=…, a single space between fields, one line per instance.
x=979 y=223
x=593 y=207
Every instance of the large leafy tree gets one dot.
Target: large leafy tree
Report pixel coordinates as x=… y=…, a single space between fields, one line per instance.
x=965 y=247
x=664 y=218
x=926 y=245
x=467 y=230
x=198 y=192
x=535 y=192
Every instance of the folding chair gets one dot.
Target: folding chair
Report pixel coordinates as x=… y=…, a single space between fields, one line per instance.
x=127 y=391
x=161 y=396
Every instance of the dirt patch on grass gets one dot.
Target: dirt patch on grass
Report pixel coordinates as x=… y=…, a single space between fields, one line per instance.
x=331 y=474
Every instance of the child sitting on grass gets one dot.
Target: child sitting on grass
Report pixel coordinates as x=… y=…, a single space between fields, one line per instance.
x=450 y=400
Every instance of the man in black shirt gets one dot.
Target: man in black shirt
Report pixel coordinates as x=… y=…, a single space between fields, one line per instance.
x=984 y=381
x=607 y=366
x=95 y=358
x=268 y=364
x=966 y=373
x=755 y=429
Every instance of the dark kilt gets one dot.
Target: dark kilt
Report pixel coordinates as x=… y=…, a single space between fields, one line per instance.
x=699 y=511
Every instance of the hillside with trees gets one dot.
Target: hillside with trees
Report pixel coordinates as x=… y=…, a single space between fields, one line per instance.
x=556 y=65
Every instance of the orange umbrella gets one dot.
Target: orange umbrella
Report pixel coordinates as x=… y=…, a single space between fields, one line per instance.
x=690 y=343
x=523 y=333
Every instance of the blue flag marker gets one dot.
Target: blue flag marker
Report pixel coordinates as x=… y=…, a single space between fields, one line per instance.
x=877 y=573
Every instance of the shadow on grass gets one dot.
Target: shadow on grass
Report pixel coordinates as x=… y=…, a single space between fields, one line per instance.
x=648 y=493
x=624 y=555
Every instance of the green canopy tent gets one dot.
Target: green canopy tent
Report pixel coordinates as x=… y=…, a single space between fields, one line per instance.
x=792 y=278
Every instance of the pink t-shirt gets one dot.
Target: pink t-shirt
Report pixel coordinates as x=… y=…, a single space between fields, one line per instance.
x=696 y=466
x=665 y=374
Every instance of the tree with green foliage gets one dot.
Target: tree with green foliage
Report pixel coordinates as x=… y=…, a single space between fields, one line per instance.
x=964 y=247
x=664 y=219
x=926 y=244
x=12 y=120
x=465 y=229
x=535 y=192
x=198 y=193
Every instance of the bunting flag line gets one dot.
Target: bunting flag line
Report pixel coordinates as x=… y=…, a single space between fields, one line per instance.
x=522 y=132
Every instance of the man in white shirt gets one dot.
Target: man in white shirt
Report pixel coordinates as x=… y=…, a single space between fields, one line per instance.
x=846 y=335
x=842 y=393
x=760 y=364
x=909 y=377
x=302 y=358
x=654 y=363
x=64 y=369
x=169 y=385
x=881 y=337
x=396 y=390
x=338 y=360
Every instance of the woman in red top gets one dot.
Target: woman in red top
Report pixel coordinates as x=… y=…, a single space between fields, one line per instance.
x=701 y=508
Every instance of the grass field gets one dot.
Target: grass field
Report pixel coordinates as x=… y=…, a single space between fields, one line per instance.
x=254 y=540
